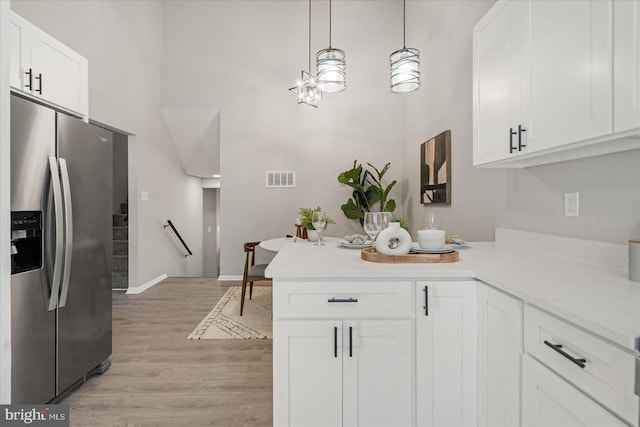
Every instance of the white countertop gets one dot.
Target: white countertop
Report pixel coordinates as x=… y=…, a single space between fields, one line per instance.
x=599 y=299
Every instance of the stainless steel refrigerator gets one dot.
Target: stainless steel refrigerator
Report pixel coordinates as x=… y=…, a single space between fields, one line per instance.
x=61 y=246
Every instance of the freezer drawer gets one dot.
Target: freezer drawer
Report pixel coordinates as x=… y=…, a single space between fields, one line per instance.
x=32 y=341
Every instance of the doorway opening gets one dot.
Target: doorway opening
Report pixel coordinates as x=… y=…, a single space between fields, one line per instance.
x=210 y=228
x=120 y=212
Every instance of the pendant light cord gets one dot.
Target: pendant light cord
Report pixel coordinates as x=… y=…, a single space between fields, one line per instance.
x=329 y=24
x=404 y=24
x=309 y=36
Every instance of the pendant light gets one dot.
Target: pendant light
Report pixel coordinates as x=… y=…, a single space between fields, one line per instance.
x=405 y=63
x=307 y=87
x=331 y=67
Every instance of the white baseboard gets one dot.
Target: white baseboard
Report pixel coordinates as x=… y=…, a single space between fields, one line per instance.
x=140 y=289
x=229 y=278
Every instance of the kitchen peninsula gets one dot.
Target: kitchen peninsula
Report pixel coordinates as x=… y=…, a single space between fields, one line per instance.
x=364 y=343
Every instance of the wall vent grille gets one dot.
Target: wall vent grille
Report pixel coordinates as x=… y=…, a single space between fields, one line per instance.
x=281 y=179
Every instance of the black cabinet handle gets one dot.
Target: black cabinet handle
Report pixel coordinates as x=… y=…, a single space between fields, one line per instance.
x=520 y=144
x=39 y=78
x=558 y=348
x=342 y=300
x=426 y=300
x=511 y=147
x=350 y=341
x=335 y=341
x=30 y=74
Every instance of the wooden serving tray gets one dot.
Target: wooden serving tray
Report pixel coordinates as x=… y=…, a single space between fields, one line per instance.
x=369 y=254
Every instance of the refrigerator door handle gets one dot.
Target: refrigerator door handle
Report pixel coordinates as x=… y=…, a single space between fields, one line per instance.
x=57 y=209
x=68 y=226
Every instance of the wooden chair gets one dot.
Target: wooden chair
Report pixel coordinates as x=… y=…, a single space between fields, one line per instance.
x=252 y=272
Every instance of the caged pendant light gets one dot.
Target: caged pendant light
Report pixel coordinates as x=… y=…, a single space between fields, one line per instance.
x=307 y=87
x=405 y=63
x=331 y=67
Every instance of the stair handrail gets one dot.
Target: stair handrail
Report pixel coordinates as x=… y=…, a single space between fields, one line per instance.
x=170 y=224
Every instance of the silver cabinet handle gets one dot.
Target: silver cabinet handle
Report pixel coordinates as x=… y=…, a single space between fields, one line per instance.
x=68 y=227
x=57 y=210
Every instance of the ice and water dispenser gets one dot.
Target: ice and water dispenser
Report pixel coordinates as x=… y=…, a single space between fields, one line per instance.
x=26 y=241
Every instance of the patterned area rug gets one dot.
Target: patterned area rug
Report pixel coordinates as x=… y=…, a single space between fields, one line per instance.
x=225 y=322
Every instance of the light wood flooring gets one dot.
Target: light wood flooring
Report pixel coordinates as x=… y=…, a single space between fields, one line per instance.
x=159 y=378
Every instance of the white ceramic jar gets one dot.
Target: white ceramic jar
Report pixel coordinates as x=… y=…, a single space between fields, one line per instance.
x=393 y=240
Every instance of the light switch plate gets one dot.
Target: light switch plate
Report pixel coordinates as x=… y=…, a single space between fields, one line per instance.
x=144 y=195
x=571 y=204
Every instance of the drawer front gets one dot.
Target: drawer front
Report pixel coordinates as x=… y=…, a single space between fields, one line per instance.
x=598 y=368
x=322 y=300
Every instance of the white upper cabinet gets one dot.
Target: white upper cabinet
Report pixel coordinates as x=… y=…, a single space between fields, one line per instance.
x=497 y=80
x=626 y=65
x=568 y=66
x=44 y=68
x=554 y=80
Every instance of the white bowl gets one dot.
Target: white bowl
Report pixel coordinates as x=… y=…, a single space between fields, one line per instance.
x=431 y=239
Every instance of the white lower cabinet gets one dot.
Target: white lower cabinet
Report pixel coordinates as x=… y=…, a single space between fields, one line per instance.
x=307 y=376
x=347 y=371
x=576 y=364
x=446 y=353
x=343 y=373
x=499 y=357
x=550 y=401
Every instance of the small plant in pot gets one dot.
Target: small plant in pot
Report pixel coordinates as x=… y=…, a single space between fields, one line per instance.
x=304 y=221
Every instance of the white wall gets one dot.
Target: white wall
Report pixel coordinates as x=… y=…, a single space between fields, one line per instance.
x=609 y=188
x=122 y=41
x=529 y=199
x=242 y=57
x=443 y=32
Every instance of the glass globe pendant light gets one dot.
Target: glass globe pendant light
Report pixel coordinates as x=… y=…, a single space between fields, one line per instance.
x=307 y=87
x=331 y=68
x=405 y=64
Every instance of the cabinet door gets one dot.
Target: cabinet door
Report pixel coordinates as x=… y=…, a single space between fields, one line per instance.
x=569 y=69
x=497 y=82
x=446 y=353
x=626 y=66
x=378 y=372
x=550 y=401
x=307 y=373
x=60 y=74
x=499 y=355
x=20 y=55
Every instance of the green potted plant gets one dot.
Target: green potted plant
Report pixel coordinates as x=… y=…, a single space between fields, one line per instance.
x=367 y=191
x=304 y=221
